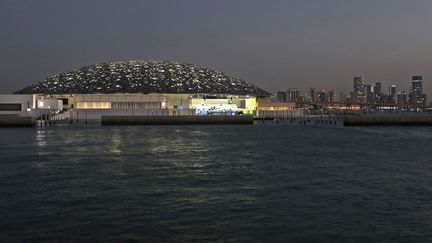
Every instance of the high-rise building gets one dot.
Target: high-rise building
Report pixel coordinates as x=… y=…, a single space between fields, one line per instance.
x=322 y=96
x=359 y=89
x=281 y=96
x=379 y=96
x=378 y=88
x=293 y=95
x=402 y=98
x=331 y=96
x=312 y=95
x=391 y=98
x=370 y=93
x=417 y=97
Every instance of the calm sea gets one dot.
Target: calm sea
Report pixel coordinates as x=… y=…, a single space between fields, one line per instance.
x=267 y=182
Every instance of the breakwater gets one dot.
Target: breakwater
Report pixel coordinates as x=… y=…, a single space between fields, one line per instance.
x=389 y=119
x=177 y=120
x=365 y=119
x=16 y=121
x=312 y=120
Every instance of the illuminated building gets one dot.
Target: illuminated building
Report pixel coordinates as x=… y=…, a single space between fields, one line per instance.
x=370 y=94
x=391 y=98
x=417 y=97
x=402 y=98
x=359 y=89
x=276 y=106
x=312 y=95
x=379 y=96
x=293 y=95
x=28 y=105
x=149 y=88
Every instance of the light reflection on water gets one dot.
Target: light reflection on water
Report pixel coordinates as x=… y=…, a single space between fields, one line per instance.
x=215 y=183
x=41 y=140
x=116 y=140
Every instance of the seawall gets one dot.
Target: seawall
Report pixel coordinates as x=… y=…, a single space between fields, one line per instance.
x=16 y=121
x=177 y=120
x=397 y=119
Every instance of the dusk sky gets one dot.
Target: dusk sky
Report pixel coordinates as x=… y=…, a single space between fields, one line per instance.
x=273 y=44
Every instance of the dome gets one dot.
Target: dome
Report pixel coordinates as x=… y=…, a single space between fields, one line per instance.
x=142 y=76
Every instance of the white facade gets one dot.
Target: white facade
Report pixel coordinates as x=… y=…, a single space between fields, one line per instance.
x=49 y=104
x=94 y=106
x=120 y=101
x=17 y=105
x=27 y=105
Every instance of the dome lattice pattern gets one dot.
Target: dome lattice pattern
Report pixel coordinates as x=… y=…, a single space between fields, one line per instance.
x=141 y=76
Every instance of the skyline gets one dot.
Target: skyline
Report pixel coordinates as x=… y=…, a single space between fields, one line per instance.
x=362 y=93
x=276 y=45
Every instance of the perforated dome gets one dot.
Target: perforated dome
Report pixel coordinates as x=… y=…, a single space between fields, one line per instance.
x=141 y=76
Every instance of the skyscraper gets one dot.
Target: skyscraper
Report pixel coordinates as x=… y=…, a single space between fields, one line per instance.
x=391 y=98
x=402 y=98
x=370 y=93
x=379 y=96
x=312 y=95
x=359 y=89
x=293 y=95
x=417 y=97
x=378 y=88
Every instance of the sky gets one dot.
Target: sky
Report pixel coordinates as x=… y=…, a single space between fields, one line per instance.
x=275 y=44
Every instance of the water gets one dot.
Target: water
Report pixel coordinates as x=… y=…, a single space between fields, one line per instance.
x=268 y=182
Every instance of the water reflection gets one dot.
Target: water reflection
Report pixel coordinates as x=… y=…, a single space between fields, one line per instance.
x=115 y=141
x=188 y=149
x=245 y=182
x=193 y=157
x=41 y=141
